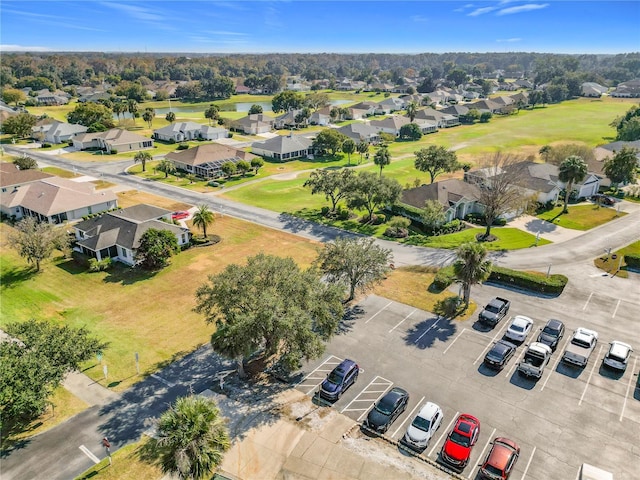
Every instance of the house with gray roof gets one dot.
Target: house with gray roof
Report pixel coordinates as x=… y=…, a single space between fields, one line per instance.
x=441 y=119
x=113 y=139
x=592 y=89
x=628 y=89
x=457 y=198
x=455 y=110
x=117 y=234
x=284 y=147
x=390 y=105
x=56 y=200
x=361 y=132
x=206 y=160
x=208 y=132
x=57 y=131
x=253 y=124
x=178 y=132
x=487 y=105
x=321 y=117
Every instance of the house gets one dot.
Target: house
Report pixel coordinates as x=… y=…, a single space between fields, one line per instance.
x=487 y=105
x=117 y=234
x=321 y=117
x=455 y=110
x=390 y=105
x=627 y=89
x=391 y=124
x=457 y=198
x=56 y=200
x=253 y=124
x=45 y=97
x=368 y=108
x=592 y=89
x=441 y=119
x=213 y=133
x=287 y=119
x=112 y=140
x=178 y=132
x=359 y=112
x=57 y=131
x=523 y=83
x=11 y=177
x=603 y=152
x=206 y=160
x=94 y=97
x=283 y=147
x=361 y=132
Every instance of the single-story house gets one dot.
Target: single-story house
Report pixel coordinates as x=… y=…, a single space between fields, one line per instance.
x=627 y=89
x=360 y=113
x=442 y=120
x=287 y=119
x=365 y=109
x=57 y=131
x=94 y=97
x=11 y=177
x=284 y=147
x=117 y=234
x=114 y=139
x=51 y=99
x=361 y=132
x=321 y=117
x=455 y=110
x=206 y=160
x=457 y=198
x=56 y=200
x=253 y=124
x=178 y=132
x=592 y=89
x=391 y=124
x=487 y=105
x=390 y=105
x=213 y=133
x=602 y=152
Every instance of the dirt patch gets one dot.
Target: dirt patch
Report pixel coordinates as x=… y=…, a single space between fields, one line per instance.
x=134 y=197
x=286 y=176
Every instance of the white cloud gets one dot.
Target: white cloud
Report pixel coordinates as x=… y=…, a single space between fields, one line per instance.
x=481 y=11
x=509 y=40
x=419 y=18
x=143 y=14
x=522 y=8
x=226 y=33
x=23 y=48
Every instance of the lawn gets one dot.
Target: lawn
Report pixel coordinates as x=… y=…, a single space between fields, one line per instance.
x=617 y=265
x=581 y=217
x=60 y=172
x=506 y=239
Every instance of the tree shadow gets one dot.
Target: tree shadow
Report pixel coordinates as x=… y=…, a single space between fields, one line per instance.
x=423 y=335
x=351 y=315
x=542 y=226
x=14 y=276
x=127 y=275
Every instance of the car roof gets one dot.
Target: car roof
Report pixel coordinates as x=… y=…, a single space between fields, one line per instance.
x=394 y=394
x=503 y=346
x=521 y=320
x=555 y=324
x=428 y=410
x=345 y=365
x=619 y=349
x=501 y=452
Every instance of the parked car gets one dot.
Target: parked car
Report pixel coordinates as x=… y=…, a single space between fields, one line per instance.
x=582 y=344
x=494 y=311
x=535 y=359
x=456 y=450
x=499 y=355
x=519 y=328
x=618 y=355
x=602 y=199
x=551 y=334
x=180 y=215
x=423 y=427
x=501 y=459
x=339 y=380
x=387 y=409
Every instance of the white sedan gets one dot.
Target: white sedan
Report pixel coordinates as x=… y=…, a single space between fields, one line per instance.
x=519 y=329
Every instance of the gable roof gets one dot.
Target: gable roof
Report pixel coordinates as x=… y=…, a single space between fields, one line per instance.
x=455 y=110
x=209 y=152
x=284 y=144
x=255 y=118
x=395 y=122
x=141 y=212
x=358 y=130
x=57 y=127
x=447 y=193
x=115 y=136
x=12 y=175
x=178 y=127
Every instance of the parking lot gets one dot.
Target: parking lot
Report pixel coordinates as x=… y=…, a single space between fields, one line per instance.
x=568 y=417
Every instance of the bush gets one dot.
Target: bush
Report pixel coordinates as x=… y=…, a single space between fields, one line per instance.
x=213 y=183
x=182 y=146
x=533 y=281
x=45 y=145
x=96 y=265
x=113 y=151
x=632 y=260
x=399 y=222
x=325 y=211
x=342 y=213
x=479 y=219
x=444 y=278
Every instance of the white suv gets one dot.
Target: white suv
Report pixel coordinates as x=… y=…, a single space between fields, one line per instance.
x=423 y=427
x=618 y=355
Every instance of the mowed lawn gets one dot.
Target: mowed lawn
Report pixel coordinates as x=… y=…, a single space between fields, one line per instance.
x=581 y=217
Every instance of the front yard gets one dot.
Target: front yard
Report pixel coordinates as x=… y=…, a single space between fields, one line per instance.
x=617 y=266
x=581 y=217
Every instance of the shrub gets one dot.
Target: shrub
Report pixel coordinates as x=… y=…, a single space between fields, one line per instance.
x=45 y=145
x=113 y=151
x=182 y=146
x=449 y=307
x=325 y=211
x=213 y=183
x=479 y=219
x=96 y=265
x=399 y=222
x=342 y=213
x=533 y=281
x=632 y=260
x=172 y=141
x=230 y=135
x=444 y=278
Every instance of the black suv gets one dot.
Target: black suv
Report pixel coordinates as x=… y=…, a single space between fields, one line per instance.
x=340 y=378
x=552 y=333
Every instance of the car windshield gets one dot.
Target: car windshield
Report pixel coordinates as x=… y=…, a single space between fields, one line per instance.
x=492 y=469
x=421 y=423
x=385 y=406
x=615 y=357
x=496 y=354
x=335 y=377
x=581 y=343
x=492 y=308
x=460 y=439
x=517 y=328
x=550 y=331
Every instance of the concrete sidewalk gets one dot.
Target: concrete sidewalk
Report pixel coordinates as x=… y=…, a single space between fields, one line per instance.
x=88 y=390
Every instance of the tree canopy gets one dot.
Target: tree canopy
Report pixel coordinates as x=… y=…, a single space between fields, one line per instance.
x=89 y=113
x=436 y=160
x=36 y=241
x=382 y=158
x=287 y=100
x=334 y=184
x=471 y=267
x=368 y=191
x=410 y=131
x=329 y=140
x=156 y=248
x=25 y=162
x=572 y=170
x=203 y=218
x=623 y=166
x=270 y=305
x=20 y=125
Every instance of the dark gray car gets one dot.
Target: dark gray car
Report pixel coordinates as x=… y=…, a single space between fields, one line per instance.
x=387 y=409
x=552 y=333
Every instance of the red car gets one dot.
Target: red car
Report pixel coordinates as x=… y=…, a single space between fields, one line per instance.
x=501 y=459
x=456 y=450
x=179 y=215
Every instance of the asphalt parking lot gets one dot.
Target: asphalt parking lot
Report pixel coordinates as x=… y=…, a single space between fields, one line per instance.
x=568 y=417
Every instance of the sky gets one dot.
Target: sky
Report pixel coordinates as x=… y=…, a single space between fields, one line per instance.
x=334 y=26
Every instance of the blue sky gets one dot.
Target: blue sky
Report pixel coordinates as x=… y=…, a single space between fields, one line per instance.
x=340 y=26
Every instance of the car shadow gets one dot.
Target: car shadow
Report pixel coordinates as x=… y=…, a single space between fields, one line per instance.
x=611 y=373
x=479 y=326
x=488 y=372
x=569 y=370
x=522 y=381
x=636 y=391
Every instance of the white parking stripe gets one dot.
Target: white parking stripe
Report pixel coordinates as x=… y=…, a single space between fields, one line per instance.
x=626 y=395
x=499 y=333
x=590 y=375
x=319 y=367
x=364 y=390
x=483 y=450
x=555 y=365
x=616 y=309
x=427 y=330
x=515 y=364
x=455 y=417
x=86 y=451
x=454 y=341
x=414 y=311
x=410 y=416
x=585 y=305
x=162 y=380
x=378 y=312
x=528 y=463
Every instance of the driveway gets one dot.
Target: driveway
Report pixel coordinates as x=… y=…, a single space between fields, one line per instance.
x=546 y=230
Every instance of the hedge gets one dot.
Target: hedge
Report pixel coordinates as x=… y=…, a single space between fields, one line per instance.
x=632 y=260
x=536 y=282
x=444 y=278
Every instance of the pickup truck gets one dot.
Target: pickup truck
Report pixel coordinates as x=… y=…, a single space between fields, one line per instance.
x=495 y=311
x=535 y=359
x=582 y=343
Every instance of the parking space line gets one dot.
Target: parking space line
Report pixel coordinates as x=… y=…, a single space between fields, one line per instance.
x=454 y=341
x=493 y=340
x=378 y=312
x=86 y=451
x=616 y=309
x=427 y=330
x=590 y=375
x=555 y=365
x=588 y=299
x=319 y=367
x=526 y=469
x=364 y=390
x=408 y=417
x=397 y=325
x=455 y=417
x=626 y=395
x=516 y=362
x=483 y=450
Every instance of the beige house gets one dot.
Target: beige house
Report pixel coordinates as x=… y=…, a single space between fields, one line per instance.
x=114 y=139
x=11 y=177
x=457 y=198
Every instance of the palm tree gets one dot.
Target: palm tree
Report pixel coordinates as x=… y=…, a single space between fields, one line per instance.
x=203 y=218
x=148 y=115
x=143 y=158
x=471 y=267
x=170 y=117
x=118 y=108
x=166 y=166
x=192 y=438
x=382 y=158
x=132 y=108
x=348 y=147
x=362 y=147
x=573 y=169
x=412 y=110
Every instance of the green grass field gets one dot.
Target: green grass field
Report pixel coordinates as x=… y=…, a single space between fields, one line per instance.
x=581 y=217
